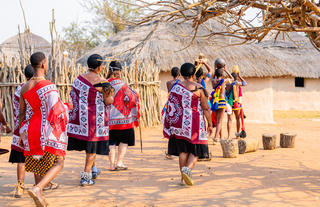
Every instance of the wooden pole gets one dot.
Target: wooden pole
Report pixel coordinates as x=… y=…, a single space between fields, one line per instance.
x=140 y=131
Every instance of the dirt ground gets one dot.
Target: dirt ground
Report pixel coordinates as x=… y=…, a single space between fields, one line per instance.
x=281 y=177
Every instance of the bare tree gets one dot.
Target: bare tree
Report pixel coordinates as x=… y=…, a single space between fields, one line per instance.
x=274 y=16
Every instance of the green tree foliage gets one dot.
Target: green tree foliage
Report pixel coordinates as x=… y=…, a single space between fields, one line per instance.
x=78 y=40
x=111 y=17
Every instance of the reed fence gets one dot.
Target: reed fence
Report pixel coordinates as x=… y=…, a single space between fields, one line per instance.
x=145 y=82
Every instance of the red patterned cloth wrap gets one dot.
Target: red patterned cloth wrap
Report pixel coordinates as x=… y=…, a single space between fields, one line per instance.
x=45 y=127
x=184 y=117
x=124 y=112
x=89 y=117
x=16 y=106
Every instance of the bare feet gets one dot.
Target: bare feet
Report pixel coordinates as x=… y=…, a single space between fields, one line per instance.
x=169 y=157
x=215 y=141
x=37 y=196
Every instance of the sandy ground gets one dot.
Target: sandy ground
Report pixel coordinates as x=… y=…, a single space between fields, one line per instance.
x=281 y=177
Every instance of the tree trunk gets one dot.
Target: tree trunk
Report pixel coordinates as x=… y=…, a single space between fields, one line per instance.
x=248 y=145
x=287 y=140
x=229 y=148
x=269 y=141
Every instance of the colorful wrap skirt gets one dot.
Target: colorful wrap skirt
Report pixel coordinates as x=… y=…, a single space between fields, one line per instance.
x=222 y=104
x=40 y=166
x=236 y=106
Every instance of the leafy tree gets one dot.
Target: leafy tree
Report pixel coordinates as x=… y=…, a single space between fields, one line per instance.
x=111 y=17
x=79 y=40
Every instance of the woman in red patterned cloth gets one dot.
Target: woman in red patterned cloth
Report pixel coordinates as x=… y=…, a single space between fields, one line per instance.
x=88 y=129
x=185 y=124
x=43 y=120
x=124 y=115
x=16 y=154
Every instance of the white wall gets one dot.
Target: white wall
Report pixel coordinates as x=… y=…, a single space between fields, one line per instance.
x=258 y=100
x=288 y=97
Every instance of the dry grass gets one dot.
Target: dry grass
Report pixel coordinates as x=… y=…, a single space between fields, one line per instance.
x=296 y=114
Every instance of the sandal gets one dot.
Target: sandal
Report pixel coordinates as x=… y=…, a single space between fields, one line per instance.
x=215 y=141
x=123 y=167
x=51 y=186
x=95 y=172
x=204 y=159
x=19 y=190
x=186 y=175
x=35 y=194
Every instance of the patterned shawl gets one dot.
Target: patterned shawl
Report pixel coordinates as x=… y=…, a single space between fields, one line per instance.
x=45 y=127
x=184 y=117
x=124 y=113
x=16 y=135
x=89 y=117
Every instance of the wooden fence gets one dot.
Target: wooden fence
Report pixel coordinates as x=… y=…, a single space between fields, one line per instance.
x=63 y=71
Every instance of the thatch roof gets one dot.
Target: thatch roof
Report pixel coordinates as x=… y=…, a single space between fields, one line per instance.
x=299 y=56
x=10 y=47
x=165 y=49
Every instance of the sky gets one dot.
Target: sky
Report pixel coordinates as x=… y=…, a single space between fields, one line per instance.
x=38 y=14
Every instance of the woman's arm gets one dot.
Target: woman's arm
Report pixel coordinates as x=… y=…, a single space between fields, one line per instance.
x=243 y=82
x=228 y=73
x=22 y=110
x=206 y=111
x=3 y=122
x=208 y=67
x=168 y=86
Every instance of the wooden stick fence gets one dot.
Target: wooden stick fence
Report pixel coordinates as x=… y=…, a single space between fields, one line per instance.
x=11 y=76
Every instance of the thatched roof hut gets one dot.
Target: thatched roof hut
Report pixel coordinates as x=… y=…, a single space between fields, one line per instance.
x=168 y=46
x=270 y=68
x=10 y=47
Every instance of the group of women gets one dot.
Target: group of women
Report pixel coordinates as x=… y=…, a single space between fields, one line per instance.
x=102 y=114
x=191 y=113
x=99 y=118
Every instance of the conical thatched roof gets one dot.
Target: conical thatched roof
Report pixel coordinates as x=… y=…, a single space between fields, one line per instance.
x=10 y=47
x=165 y=49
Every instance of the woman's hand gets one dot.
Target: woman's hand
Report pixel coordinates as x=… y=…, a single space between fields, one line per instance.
x=210 y=130
x=8 y=129
x=108 y=95
x=70 y=105
x=20 y=142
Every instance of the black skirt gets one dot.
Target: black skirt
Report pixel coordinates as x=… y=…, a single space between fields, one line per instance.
x=125 y=136
x=99 y=147
x=16 y=157
x=176 y=146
